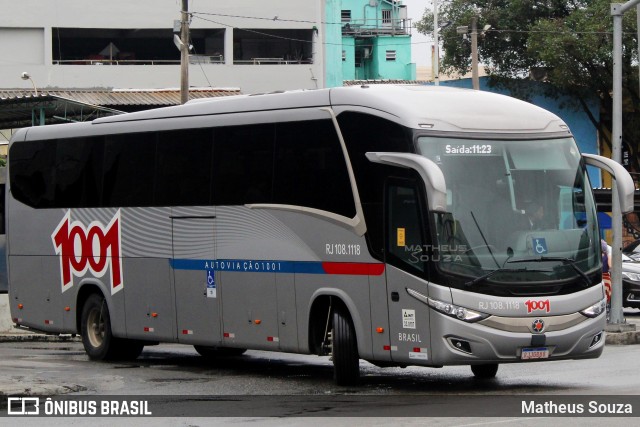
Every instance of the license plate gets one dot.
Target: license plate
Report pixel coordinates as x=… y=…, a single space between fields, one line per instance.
x=534 y=353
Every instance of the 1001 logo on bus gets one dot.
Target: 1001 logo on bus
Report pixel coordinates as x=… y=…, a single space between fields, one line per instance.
x=95 y=248
x=543 y=305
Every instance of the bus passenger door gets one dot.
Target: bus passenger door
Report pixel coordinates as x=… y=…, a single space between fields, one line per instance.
x=405 y=252
x=197 y=299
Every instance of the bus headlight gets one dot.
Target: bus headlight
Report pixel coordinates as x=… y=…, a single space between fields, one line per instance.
x=456 y=311
x=595 y=310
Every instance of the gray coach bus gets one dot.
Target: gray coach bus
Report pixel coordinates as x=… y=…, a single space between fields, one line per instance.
x=383 y=223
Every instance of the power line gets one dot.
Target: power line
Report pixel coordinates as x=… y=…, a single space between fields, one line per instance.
x=277 y=18
x=289 y=38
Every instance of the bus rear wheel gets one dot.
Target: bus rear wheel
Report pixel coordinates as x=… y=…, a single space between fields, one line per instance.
x=346 y=362
x=97 y=339
x=485 y=371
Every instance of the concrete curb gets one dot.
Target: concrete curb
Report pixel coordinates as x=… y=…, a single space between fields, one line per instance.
x=34 y=337
x=622 y=338
x=40 y=390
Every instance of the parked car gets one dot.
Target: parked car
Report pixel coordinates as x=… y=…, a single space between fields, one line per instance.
x=631 y=275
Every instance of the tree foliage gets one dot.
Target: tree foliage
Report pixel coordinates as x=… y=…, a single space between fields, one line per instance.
x=566 y=44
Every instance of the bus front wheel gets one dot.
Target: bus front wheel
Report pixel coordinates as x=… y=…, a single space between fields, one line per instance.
x=485 y=371
x=346 y=362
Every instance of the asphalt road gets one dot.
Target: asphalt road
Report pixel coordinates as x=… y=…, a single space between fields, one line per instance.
x=265 y=388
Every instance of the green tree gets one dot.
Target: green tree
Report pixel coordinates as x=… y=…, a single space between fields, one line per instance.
x=566 y=44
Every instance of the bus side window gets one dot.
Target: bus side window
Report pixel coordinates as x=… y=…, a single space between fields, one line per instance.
x=405 y=235
x=243 y=164
x=310 y=168
x=32 y=172
x=183 y=172
x=78 y=172
x=129 y=169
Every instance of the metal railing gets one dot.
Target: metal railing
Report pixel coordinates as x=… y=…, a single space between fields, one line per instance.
x=271 y=61
x=377 y=26
x=116 y=62
x=193 y=60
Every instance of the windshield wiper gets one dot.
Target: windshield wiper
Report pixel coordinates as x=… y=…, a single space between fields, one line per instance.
x=567 y=261
x=492 y=272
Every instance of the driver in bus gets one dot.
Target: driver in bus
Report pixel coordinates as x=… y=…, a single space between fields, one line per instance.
x=535 y=216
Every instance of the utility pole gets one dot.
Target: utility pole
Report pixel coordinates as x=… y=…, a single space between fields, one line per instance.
x=184 y=52
x=436 y=47
x=617 y=315
x=474 y=53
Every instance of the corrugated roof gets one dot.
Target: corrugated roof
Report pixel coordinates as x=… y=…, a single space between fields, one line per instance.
x=384 y=82
x=21 y=108
x=120 y=97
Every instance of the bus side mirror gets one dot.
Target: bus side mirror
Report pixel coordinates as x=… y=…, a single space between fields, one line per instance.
x=430 y=173
x=624 y=182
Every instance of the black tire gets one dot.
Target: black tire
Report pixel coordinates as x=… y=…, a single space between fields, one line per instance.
x=213 y=352
x=95 y=329
x=127 y=349
x=346 y=362
x=486 y=371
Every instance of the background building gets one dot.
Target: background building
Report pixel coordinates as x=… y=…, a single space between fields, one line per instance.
x=252 y=45
x=375 y=41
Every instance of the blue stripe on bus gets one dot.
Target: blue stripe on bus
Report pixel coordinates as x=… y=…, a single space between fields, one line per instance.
x=264 y=266
x=249 y=266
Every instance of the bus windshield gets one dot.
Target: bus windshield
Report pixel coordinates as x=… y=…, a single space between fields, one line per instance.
x=520 y=213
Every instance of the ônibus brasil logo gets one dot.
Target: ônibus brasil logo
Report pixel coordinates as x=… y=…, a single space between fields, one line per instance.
x=95 y=248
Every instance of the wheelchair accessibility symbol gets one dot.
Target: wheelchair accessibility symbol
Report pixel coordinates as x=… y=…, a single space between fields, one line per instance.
x=540 y=246
x=211 y=284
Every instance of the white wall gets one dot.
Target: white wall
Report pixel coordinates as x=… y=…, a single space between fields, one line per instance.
x=249 y=78
x=22 y=45
x=154 y=13
x=39 y=16
x=6 y=324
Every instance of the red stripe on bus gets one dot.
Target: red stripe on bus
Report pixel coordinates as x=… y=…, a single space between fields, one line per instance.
x=353 y=268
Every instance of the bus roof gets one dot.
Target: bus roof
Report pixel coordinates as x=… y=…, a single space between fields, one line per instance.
x=435 y=108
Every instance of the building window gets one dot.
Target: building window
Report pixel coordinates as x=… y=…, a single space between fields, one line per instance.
x=345 y=15
x=344 y=55
x=130 y=46
x=272 y=46
x=386 y=17
x=391 y=55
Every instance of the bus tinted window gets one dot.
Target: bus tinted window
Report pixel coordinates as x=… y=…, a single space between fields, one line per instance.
x=243 y=165
x=32 y=172
x=310 y=168
x=363 y=133
x=129 y=169
x=184 y=168
x=293 y=163
x=78 y=172
x=405 y=241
